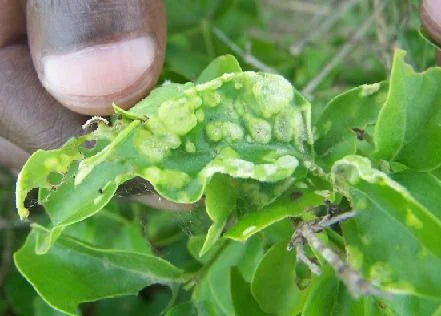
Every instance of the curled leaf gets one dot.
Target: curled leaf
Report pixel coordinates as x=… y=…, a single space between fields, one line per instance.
x=243 y=124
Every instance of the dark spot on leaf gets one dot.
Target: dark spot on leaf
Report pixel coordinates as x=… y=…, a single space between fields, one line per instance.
x=88 y=145
x=100 y=191
x=331 y=209
x=360 y=133
x=296 y=195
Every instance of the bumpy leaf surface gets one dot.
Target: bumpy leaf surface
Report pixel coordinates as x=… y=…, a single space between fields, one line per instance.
x=243 y=124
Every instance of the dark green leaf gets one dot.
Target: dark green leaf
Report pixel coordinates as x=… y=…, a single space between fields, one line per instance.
x=394 y=240
x=244 y=303
x=220 y=200
x=72 y=272
x=408 y=305
x=274 y=283
x=329 y=296
x=355 y=109
x=290 y=204
x=218 y=67
x=244 y=124
x=408 y=128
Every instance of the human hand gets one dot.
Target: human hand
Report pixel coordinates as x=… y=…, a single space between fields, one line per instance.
x=430 y=12
x=61 y=57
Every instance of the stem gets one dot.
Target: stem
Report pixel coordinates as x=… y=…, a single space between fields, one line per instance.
x=323 y=28
x=248 y=58
x=342 y=53
x=206 y=34
x=203 y=270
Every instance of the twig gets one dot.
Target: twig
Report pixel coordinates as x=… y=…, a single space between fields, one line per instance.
x=248 y=58
x=302 y=257
x=354 y=281
x=329 y=221
x=342 y=53
x=324 y=27
x=301 y=6
x=382 y=32
x=305 y=232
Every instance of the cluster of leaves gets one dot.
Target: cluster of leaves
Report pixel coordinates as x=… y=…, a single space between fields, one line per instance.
x=244 y=141
x=236 y=274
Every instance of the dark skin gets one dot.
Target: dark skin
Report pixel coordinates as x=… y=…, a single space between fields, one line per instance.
x=61 y=60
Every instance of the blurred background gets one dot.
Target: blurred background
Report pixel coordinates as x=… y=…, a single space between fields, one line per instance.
x=322 y=46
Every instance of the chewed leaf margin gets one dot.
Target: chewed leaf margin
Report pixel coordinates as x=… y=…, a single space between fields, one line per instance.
x=243 y=124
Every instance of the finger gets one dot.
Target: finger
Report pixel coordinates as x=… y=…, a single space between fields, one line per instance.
x=90 y=53
x=29 y=116
x=11 y=156
x=430 y=12
x=12 y=22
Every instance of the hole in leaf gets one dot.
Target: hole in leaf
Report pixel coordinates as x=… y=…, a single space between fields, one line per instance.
x=296 y=195
x=88 y=145
x=31 y=200
x=359 y=133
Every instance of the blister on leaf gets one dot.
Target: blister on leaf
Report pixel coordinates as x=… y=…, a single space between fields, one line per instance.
x=243 y=124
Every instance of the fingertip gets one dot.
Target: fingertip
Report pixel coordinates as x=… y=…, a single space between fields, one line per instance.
x=89 y=57
x=12 y=156
x=430 y=12
x=89 y=80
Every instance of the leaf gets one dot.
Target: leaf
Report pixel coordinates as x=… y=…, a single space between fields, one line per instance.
x=274 y=282
x=134 y=305
x=220 y=200
x=214 y=285
x=109 y=230
x=407 y=305
x=183 y=309
x=394 y=240
x=80 y=273
x=18 y=293
x=244 y=303
x=329 y=296
x=356 y=108
x=36 y=170
x=424 y=187
x=251 y=258
x=290 y=204
x=244 y=124
x=408 y=128
x=218 y=67
x=41 y=308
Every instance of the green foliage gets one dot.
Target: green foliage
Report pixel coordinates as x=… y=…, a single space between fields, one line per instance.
x=407 y=133
x=260 y=161
x=244 y=140
x=90 y=273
